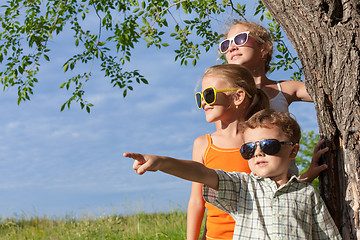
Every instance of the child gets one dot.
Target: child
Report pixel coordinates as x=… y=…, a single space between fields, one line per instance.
x=249 y=44
x=221 y=149
x=265 y=204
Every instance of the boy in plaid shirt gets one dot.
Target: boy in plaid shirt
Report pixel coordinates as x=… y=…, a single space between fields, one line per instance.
x=265 y=204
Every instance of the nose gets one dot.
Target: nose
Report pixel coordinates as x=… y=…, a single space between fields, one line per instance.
x=232 y=46
x=203 y=103
x=258 y=151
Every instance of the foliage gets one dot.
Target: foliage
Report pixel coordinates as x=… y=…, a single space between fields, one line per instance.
x=285 y=60
x=139 y=226
x=27 y=27
x=307 y=144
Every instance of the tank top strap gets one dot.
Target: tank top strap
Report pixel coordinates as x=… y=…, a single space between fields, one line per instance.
x=208 y=136
x=279 y=86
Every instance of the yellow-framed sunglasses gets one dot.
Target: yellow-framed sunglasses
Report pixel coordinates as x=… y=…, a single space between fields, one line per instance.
x=209 y=95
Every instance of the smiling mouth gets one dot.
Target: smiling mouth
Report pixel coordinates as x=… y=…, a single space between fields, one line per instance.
x=235 y=56
x=206 y=108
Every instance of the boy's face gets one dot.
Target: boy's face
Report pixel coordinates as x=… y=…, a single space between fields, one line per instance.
x=271 y=166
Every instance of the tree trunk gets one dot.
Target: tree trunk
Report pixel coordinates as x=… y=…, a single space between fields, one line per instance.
x=326 y=36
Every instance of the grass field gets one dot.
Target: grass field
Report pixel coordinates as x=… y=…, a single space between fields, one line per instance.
x=139 y=226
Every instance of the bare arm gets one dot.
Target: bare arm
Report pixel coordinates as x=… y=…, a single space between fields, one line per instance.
x=185 y=169
x=196 y=205
x=296 y=91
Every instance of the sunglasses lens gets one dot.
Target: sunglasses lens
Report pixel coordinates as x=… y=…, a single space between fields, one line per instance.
x=209 y=95
x=270 y=146
x=224 y=46
x=198 y=99
x=247 y=150
x=241 y=39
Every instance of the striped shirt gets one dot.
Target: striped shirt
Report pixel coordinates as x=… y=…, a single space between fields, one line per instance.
x=261 y=210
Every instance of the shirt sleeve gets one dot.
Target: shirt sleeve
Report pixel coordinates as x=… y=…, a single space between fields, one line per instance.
x=323 y=226
x=232 y=186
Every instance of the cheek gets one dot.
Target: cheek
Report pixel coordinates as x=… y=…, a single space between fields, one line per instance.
x=221 y=98
x=228 y=57
x=251 y=165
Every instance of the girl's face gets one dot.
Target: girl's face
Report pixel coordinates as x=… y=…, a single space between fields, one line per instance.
x=223 y=108
x=249 y=55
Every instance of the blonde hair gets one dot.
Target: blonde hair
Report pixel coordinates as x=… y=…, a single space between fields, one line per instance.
x=261 y=32
x=239 y=76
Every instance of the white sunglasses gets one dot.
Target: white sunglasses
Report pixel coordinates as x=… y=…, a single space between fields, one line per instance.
x=239 y=40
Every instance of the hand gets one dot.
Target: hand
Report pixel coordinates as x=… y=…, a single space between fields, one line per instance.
x=144 y=162
x=314 y=169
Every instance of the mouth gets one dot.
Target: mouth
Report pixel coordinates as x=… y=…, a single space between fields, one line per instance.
x=207 y=108
x=235 y=56
x=261 y=163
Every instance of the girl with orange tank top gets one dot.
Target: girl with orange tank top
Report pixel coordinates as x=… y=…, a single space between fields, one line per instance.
x=229 y=96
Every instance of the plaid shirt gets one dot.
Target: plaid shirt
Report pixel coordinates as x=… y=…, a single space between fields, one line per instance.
x=295 y=210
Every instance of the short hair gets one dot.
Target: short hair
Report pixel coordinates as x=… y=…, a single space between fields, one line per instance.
x=269 y=117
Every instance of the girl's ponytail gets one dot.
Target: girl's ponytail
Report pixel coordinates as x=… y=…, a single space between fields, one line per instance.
x=259 y=102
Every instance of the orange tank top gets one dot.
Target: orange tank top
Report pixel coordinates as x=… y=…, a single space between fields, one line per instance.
x=219 y=224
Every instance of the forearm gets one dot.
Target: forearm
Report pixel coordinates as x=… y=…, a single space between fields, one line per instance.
x=190 y=170
x=195 y=212
x=195 y=215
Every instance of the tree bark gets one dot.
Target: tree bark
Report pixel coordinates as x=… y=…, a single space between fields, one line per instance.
x=326 y=36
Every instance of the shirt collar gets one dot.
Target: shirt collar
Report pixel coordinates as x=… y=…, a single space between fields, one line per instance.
x=292 y=179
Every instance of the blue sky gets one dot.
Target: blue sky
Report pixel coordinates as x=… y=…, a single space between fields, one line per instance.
x=70 y=163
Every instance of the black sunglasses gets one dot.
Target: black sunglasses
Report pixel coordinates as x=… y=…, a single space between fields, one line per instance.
x=268 y=146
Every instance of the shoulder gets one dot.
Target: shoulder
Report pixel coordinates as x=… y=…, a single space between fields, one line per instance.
x=234 y=176
x=201 y=141
x=306 y=191
x=199 y=148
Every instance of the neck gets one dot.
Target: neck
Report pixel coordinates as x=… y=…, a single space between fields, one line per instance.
x=280 y=180
x=236 y=118
x=228 y=127
x=260 y=78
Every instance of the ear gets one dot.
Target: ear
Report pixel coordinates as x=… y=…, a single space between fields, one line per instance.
x=265 y=50
x=239 y=97
x=294 y=151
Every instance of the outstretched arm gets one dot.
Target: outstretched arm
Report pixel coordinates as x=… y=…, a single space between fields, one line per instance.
x=185 y=169
x=315 y=169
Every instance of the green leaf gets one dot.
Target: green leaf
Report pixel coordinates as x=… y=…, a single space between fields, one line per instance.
x=63 y=107
x=62 y=85
x=66 y=66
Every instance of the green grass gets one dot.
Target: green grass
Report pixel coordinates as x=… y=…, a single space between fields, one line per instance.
x=139 y=226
